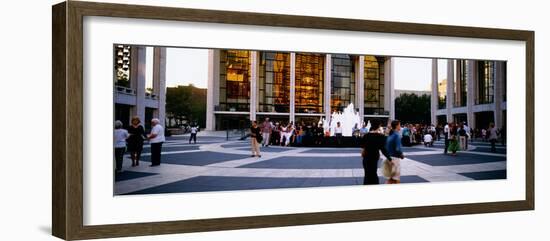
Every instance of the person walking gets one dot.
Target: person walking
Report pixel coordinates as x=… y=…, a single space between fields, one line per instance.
x=119 y=140
x=194 y=129
x=156 y=138
x=267 y=128
x=135 y=141
x=493 y=136
x=373 y=143
x=393 y=146
x=255 y=139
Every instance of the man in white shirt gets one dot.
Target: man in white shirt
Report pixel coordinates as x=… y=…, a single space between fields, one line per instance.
x=467 y=129
x=338 y=133
x=428 y=140
x=156 y=138
x=194 y=130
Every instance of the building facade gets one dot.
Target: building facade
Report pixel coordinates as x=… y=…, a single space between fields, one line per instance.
x=473 y=91
x=140 y=83
x=293 y=87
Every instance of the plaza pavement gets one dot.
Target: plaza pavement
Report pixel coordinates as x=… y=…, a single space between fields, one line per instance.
x=217 y=164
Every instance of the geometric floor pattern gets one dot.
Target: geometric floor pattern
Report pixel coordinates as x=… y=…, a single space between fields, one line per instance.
x=215 y=164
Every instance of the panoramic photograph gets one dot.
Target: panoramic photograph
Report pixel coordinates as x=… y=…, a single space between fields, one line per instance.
x=202 y=120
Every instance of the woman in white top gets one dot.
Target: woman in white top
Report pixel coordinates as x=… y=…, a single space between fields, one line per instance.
x=156 y=138
x=119 y=140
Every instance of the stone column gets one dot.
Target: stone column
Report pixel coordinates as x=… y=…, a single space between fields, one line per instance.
x=360 y=86
x=140 y=81
x=391 y=72
x=388 y=86
x=499 y=85
x=213 y=88
x=450 y=88
x=292 y=87
x=254 y=68
x=434 y=98
x=159 y=82
x=471 y=79
x=327 y=86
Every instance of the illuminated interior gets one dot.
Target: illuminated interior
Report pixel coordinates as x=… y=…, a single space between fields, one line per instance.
x=342 y=81
x=309 y=82
x=234 y=80
x=274 y=82
x=374 y=85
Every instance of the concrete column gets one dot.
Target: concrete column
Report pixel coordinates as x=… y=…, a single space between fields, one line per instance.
x=134 y=66
x=159 y=82
x=140 y=79
x=293 y=87
x=499 y=85
x=254 y=68
x=391 y=72
x=360 y=85
x=213 y=89
x=471 y=79
x=327 y=85
x=450 y=88
x=388 y=86
x=434 y=98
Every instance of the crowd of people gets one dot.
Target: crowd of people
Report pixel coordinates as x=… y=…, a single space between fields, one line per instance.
x=373 y=140
x=132 y=140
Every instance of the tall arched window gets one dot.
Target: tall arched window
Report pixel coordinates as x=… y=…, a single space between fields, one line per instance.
x=309 y=82
x=234 y=80
x=374 y=85
x=274 y=82
x=342 y=81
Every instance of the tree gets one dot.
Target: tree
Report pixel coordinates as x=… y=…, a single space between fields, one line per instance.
x=411 y=108
x=186 y=103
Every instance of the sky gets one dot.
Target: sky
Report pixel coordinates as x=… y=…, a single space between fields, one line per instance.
x=190 y=66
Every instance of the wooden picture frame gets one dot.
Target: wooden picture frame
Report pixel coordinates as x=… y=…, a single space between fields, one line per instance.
x=67 y=88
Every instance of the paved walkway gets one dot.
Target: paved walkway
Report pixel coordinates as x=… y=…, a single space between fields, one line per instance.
x=215 y=164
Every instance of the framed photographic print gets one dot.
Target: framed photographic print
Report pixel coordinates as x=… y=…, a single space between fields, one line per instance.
x=172 y=120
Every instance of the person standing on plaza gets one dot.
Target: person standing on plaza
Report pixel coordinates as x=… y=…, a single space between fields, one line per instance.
x=255 y=139
x=393 y=146
x=119 y=140
x=493 y=136
x=462 y=136
x=454 y=146
x=156 y=138
x=135 y=141
x=267 y=128
x=338 y=133
x=194 y=129
x=446 y=131
x=373 y=143
x=468 y=135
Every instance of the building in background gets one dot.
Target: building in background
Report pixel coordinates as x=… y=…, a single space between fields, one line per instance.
x=139 y=83
x=474 y=92
x=416 y=92
x=287 y=86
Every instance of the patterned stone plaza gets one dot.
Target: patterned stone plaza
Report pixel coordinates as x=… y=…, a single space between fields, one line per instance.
x=218 y=164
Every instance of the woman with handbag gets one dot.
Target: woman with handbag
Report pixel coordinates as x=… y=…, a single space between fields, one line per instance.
x=373 y=143
x=256 y=139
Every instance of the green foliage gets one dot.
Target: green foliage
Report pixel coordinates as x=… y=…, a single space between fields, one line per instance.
x=186 y=104
x=411 y=108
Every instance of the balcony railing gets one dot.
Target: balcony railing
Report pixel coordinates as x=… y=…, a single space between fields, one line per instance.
x=125 y=90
